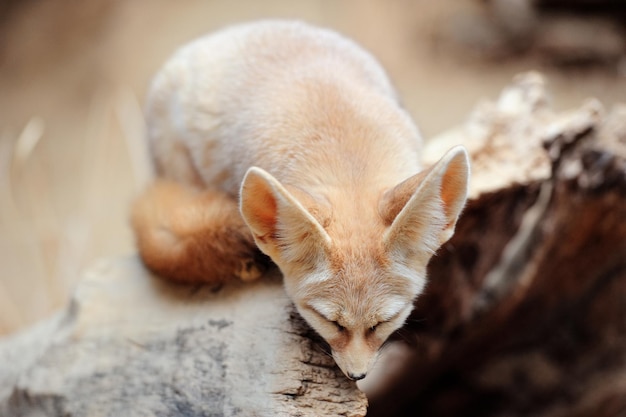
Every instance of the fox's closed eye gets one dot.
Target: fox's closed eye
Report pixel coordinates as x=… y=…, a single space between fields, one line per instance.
x=339 y=327
x=372 y=329
x=335 y=323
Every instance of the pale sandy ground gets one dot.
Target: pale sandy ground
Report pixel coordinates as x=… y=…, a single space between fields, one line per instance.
x=71 y=87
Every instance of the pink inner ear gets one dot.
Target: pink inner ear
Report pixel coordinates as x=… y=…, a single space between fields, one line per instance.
x=259 y=206
x=454 y=188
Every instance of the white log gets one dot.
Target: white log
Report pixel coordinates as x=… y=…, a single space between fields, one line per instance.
x=132 y=345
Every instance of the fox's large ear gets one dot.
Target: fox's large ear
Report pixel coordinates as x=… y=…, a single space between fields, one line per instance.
x=423 y=210
x=282 y=228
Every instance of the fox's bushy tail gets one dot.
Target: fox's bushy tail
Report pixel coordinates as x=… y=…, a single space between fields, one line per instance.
x=194 y=236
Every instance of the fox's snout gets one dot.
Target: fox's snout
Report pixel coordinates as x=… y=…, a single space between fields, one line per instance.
x=356 y=377
x=355 y=368
x=356 y=358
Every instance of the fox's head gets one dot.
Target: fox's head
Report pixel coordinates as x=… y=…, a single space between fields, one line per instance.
x=354 y=278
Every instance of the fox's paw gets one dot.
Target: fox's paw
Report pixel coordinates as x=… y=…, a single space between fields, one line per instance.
x=250 y=270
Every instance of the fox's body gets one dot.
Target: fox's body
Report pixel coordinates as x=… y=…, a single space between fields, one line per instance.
x=303 y=130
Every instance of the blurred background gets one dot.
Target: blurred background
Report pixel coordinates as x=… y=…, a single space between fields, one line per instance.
x=73 y=75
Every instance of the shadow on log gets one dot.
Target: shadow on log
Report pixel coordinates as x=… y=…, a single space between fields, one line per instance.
x=525 y=313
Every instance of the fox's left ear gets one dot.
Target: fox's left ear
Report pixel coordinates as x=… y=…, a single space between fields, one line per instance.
x=423 y=210
x=282 y=228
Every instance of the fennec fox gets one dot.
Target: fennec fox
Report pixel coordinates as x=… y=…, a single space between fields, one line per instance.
x=302 y=129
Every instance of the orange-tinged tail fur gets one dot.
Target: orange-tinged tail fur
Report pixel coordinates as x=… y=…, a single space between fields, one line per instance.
x=192 y=236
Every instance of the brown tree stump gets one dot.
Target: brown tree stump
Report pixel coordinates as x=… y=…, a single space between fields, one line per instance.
x=525 y=310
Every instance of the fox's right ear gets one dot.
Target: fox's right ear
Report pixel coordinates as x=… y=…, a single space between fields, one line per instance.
x=423 y=210
x=282 y=228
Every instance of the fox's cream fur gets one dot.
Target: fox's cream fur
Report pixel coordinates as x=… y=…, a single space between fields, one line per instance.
x=302 y=129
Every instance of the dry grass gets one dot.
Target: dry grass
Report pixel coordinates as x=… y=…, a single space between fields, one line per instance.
x=72 y=78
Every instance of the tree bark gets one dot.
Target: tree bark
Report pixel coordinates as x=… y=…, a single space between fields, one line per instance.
x=525 y=310
x=133 y=345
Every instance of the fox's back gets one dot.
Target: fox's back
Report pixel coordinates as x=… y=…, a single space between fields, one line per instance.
x=284 y=96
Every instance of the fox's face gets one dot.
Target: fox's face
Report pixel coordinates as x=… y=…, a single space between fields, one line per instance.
x=355 y=283
x=355 y=307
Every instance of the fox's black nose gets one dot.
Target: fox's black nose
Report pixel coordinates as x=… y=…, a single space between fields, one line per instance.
x=356 y=377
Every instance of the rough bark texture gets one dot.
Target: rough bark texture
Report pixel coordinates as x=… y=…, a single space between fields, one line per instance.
x=525 y=313
x=131 y=345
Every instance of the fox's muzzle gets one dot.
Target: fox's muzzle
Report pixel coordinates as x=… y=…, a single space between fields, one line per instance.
x=356 y=358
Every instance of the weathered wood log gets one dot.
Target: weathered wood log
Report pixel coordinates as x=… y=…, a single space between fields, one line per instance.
x=525 y=313
x=133 y=345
